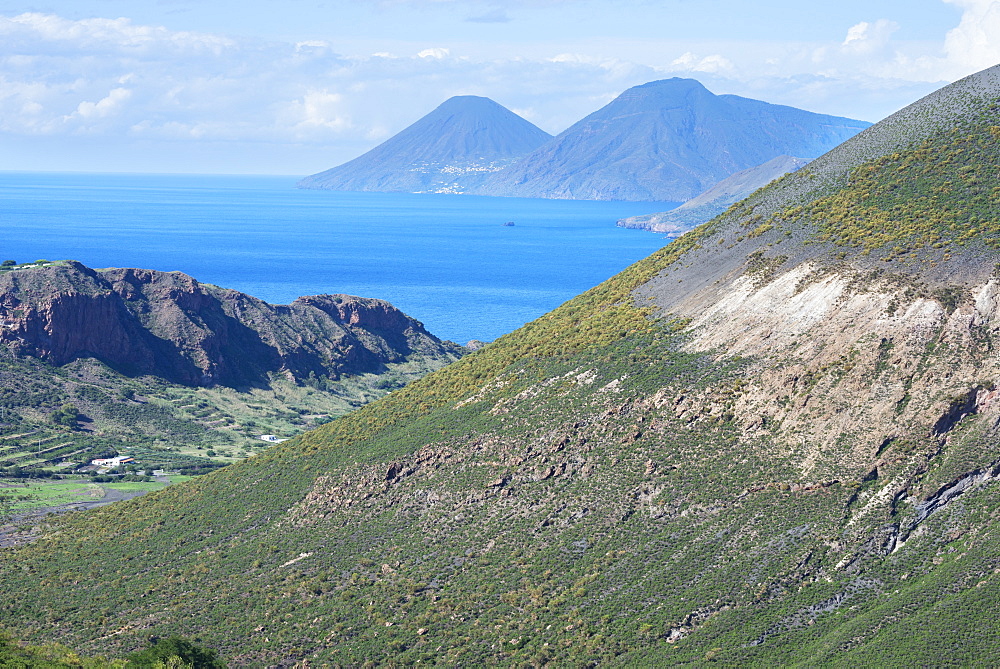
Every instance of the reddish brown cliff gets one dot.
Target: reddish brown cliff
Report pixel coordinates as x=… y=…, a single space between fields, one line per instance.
x=170 y=325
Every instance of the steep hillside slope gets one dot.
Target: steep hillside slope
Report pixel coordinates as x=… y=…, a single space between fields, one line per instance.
x=450 y=150
x=772 y=442
x=667 y=140
x=715 y=200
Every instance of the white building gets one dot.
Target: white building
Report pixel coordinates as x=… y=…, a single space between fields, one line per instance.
x=112 y=462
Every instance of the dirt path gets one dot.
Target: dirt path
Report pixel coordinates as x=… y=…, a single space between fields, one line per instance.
x=22 y=528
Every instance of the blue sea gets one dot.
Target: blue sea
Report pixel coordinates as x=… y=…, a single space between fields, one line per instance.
x=447 y=260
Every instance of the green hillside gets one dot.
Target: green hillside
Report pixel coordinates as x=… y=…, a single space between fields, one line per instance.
x=159 y=423
x=771 y=443
x=931 y=195
x=16 y=656
x=182 y=375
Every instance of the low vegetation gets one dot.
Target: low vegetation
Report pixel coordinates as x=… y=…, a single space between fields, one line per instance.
x=925 y=201
x=595 y=490
x=172 y=653
x=935 y=195
x=54 y=419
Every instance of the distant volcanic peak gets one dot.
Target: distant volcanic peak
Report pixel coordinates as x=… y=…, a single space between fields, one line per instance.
x=666 y=140
x=449 y=150
x=666 y=89
x=466 y=104
x=652 y=99
x=673 y=83
x=469 y=127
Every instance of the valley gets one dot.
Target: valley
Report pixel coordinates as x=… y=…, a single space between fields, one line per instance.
x=771 y=442
x=161 y=424
x=483 y=334
x=86 y=378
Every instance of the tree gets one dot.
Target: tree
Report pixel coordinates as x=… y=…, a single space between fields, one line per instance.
x=175 y=652
x=67 y=415
x=8 y=263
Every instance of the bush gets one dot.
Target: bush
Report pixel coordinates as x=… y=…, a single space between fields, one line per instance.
x=163 y=651
x=67 y=415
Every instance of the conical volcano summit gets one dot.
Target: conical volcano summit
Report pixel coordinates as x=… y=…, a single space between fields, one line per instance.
x=450 y=150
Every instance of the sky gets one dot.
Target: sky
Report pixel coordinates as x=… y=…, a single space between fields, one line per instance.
x=298 y=86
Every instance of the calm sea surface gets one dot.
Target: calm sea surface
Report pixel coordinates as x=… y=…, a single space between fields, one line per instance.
x=446 y=260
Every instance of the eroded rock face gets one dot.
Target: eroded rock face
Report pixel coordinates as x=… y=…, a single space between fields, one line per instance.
x=169 y=325
x=842 y=367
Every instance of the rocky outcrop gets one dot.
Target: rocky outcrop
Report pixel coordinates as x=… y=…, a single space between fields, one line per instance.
x=169 y=325
x=854 y=351
x=844 y=371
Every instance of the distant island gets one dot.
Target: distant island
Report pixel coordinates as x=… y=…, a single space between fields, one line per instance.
x=453 y=149
x=665 y=140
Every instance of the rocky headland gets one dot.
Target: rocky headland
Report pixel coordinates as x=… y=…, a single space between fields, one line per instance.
x=715 y=200
x=169 y=325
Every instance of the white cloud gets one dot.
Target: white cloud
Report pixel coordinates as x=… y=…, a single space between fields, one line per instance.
x=975 y=43
x=435 y=53
x=714 y=63
x=868 y=37
x=106 y=34
x=613 y=67
x=105 y=107
x=119 y=82
x=571 y=58
x=319 y=110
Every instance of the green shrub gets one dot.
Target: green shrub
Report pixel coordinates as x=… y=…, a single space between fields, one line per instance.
x=166 y=652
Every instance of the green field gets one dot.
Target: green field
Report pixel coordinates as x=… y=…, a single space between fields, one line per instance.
x=28 y=494
x=50 y=493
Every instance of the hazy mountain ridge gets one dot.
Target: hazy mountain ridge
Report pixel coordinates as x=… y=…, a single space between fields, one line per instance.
x=715 y=200
x=771 y=442
x=667 y=140
x=450 y=150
